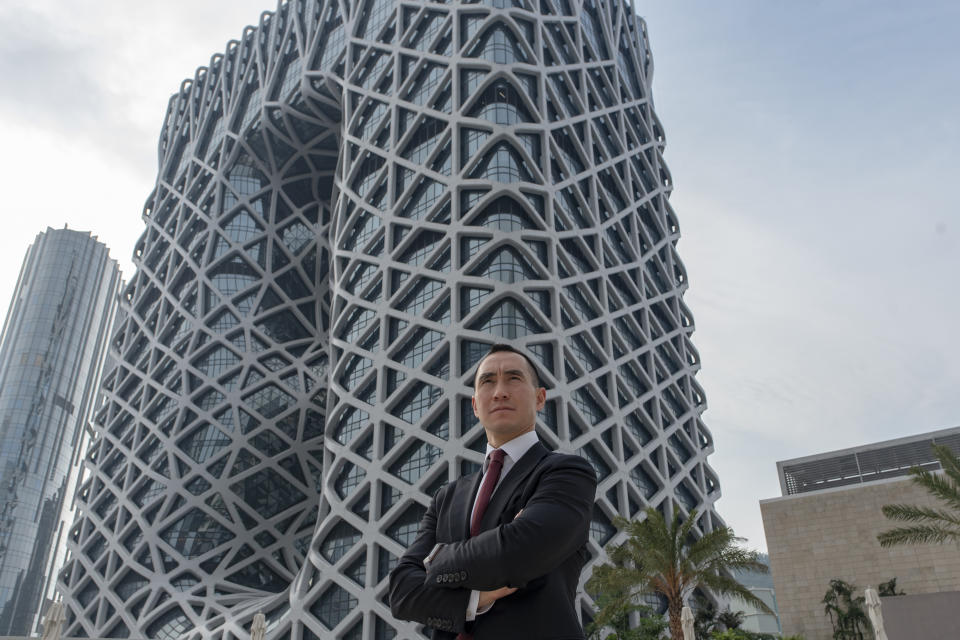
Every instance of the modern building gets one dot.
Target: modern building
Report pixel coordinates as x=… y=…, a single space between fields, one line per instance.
x=825 y=526
x=760 y=585
x=51 y=354
x=351 y=207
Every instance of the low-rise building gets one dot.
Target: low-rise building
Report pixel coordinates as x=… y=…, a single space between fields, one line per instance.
x=825 y=526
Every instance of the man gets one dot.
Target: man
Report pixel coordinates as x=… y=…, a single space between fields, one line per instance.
x=499 y=552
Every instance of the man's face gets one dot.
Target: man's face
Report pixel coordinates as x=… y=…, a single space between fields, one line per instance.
x=505 y=398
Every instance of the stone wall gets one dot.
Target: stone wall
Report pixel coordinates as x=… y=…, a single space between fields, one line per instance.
x=815 y=537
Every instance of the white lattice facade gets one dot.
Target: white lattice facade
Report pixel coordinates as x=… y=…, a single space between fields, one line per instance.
x=354 y=202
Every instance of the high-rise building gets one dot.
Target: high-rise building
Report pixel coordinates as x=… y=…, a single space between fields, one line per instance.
x=354 y=202
x=51 y=353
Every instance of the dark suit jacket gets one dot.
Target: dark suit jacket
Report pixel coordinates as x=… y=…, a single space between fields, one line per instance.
x=542 y=552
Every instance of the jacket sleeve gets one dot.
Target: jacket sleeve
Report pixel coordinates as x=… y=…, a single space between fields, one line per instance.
x=411 y=598
x=555 y=523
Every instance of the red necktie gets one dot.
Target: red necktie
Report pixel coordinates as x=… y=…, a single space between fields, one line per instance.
x=483 y=500
x=486 y=489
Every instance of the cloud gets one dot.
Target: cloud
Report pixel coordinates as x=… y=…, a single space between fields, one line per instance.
x=86 y=86
x=58 y=81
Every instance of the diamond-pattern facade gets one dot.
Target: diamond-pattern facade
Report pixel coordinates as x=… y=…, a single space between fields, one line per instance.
x=354 y=202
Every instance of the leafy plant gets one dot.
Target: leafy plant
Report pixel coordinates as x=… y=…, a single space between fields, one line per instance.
x=741 y=634
x=730 y=619
x=704 y=619
x=617 y=617
x=847 y=614
x=669 y=560
x=731 y=634
x=932 y=525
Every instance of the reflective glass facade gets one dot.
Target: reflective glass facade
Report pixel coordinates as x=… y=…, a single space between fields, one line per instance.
x=51 y=354
x=353 y=203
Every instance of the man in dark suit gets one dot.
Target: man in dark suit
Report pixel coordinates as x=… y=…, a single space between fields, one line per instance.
x=499 y=552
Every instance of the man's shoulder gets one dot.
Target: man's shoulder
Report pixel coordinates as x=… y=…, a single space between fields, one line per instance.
x=450 y=488
x=555 y=460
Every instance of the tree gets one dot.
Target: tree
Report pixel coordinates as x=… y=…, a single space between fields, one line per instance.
x=931 y=525
x=847 y=615
x=670 y=561
x=730 y=619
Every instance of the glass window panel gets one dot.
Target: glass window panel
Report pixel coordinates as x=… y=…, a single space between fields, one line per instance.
x=204 y=442
x=404 y=529
x=350 y=424
x=334 y=605
x=267 y=492
x=588 y=407
x=339 y=541
x=415 y=462
x=646 y=484
x=349 y=479
x=269 y=401
x=195 y=534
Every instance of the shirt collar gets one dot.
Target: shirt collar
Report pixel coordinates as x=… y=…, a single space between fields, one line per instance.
x=516 y=447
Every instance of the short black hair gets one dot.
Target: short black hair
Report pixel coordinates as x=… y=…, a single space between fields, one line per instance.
x=501 y=347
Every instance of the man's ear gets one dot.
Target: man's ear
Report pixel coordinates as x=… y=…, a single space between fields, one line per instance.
x=541 y=398
x=473 y=401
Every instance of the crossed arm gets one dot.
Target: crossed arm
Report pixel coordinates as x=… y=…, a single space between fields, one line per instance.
x=554 y=524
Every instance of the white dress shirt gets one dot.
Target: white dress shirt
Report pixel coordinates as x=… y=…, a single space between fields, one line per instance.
x=514 y=450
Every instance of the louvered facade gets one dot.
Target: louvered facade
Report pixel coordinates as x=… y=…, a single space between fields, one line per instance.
x=354 y=202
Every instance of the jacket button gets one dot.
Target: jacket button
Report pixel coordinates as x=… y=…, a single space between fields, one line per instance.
x=439 y=579
x=463 y=575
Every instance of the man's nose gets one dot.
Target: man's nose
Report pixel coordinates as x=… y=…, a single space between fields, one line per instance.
x=500 y=390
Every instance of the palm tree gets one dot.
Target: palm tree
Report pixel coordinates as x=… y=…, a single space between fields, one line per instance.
x=846 y=613
x=932 y=525
x=669 y=561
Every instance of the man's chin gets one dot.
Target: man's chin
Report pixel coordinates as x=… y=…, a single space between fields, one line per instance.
x=504 y=432
x=503 y=421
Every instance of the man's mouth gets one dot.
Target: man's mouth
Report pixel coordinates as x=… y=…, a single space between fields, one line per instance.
x=501 y=409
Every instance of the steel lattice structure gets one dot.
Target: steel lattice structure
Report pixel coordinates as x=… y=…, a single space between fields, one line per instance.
x=354 y=201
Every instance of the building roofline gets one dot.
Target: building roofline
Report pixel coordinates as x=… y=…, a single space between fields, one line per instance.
x=864 y=463
x=930 y=435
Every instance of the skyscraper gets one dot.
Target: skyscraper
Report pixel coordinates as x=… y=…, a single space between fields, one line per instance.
x=51 y=353
x=353 y=204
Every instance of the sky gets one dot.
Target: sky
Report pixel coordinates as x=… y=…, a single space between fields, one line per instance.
x=813 y=149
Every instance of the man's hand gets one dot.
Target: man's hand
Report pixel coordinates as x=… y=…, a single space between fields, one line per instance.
x=487 y=598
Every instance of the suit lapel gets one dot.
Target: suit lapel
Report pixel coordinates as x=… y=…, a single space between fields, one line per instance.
x=508 y=486
x=462 y=505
